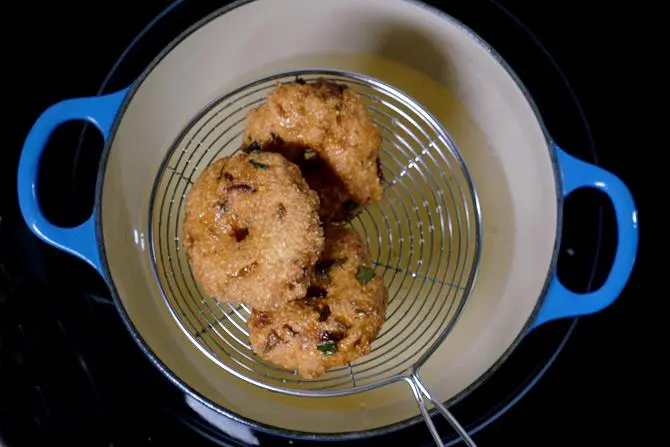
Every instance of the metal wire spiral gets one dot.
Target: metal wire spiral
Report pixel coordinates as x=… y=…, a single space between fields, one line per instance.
x=424 y=237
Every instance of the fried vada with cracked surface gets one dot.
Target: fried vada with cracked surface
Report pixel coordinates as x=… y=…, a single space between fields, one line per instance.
x=326 y=129
x=252 y=231
x=336 y=322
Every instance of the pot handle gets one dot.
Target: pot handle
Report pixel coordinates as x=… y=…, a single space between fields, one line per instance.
x=559 y=301
x=100 y=111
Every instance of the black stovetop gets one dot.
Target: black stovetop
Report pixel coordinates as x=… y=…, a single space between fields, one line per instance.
x=71 y=375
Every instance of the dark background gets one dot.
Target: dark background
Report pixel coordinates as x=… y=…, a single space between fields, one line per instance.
x=59 y=381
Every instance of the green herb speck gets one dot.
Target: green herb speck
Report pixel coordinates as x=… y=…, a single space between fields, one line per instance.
x=258 y=165
x=364 y=275
x=327 y=347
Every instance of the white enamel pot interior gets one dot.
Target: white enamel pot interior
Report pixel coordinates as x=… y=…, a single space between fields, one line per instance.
x=520 y=176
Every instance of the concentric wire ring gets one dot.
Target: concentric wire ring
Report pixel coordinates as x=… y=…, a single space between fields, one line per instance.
x=424 y=236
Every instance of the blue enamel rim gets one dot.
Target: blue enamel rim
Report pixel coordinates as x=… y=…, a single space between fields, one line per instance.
x=109 y=110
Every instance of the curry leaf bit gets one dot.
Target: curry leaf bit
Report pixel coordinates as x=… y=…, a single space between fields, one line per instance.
x=277 y=139
x=327 y=347
x=254 y=146
x=364 y=275
x=259 y=165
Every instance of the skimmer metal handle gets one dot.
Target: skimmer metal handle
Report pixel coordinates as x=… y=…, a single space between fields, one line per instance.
x=421 y=393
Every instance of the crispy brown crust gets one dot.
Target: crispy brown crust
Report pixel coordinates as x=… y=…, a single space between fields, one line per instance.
x=252 y=231
x=332 y=121
x=337 y=320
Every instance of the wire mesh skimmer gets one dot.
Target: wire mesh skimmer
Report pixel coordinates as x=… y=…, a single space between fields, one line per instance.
x=424 y=237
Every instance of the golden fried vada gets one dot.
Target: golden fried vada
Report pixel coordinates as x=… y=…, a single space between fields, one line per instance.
x=338 y=318
x=326 y=129
x=252 y=231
